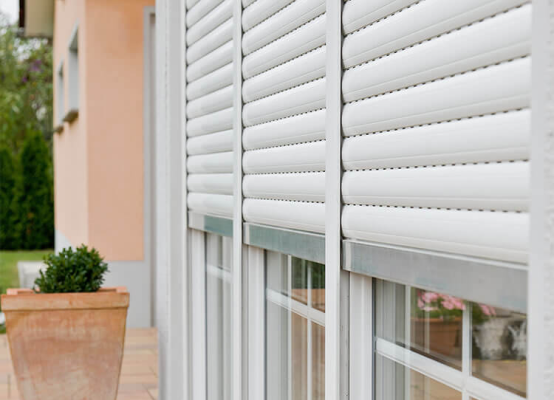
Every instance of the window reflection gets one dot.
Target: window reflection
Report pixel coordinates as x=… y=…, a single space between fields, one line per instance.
x=425 y=322
x=499 y=347
x=436 y=326
x=397 y=382
x=295 y=335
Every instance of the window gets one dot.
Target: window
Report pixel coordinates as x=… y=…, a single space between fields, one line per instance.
x=73 y=77
x=435 y=346
x=60 y=103
x=218 y=316
x=295 y=328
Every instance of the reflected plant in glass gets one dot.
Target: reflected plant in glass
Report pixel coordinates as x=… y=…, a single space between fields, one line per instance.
x=436 y=325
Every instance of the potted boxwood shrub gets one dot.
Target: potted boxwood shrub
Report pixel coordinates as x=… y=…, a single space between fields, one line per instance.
x=66 y=336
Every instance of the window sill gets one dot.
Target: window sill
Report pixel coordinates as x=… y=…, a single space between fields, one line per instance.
x=71 y=115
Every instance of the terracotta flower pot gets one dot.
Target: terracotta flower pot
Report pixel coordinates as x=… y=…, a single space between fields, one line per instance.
x=66 y=345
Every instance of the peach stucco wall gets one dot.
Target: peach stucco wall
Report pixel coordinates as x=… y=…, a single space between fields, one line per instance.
x=70 y=146
x=105 y=143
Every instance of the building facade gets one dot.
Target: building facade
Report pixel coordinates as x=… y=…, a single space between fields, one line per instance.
x=353 y=199
x=102 y=157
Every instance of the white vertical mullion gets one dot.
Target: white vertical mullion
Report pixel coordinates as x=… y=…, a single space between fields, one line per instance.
x=336 y=281
x=256 y=323
x=237 y=295
x=289 y=336
x=466 y=349
x=540 y=305
x=361 y=337
x=309 y=338
x=407 y=336
x=198 y=314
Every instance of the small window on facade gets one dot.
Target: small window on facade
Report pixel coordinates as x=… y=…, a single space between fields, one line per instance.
x=60 y=103
x=73 y=77
x=295 y=328
x=433 y=345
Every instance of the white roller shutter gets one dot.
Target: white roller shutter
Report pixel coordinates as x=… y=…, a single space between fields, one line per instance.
x=284 y=113
x=209 y=107
x=437 y=125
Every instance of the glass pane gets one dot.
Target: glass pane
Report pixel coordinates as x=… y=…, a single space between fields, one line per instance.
x=277 y=272
x=277 y=345
x=299 y=357
x=300 y=280
x=318 y=362
x=500 y=347
x=436 y=326
x=318 y=286
x=426 y=322
x=396 y=382
x=218 y=321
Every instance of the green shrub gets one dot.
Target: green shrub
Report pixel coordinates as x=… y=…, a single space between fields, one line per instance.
x=33 y=206
x=7 y=183
x=71 y=271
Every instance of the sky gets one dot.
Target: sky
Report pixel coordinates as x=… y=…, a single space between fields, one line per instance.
x=10 y=7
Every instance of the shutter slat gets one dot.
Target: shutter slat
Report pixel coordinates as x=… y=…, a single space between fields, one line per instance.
x=286 y=214
x=295 y=186
x=216 y=59
x=498 y=186
x=202 y=8
x=260 y=10
x=215 y=80
x=359 y=13
x=508 y=36
x=216 y=101
x=216 y=163
x=500 y=137
x=306 y=157
x=415 y=24
x=298 y=100
x=305 y=68
x=495 y=235
x=475 y=93
x=298 y=129
x=212 y=143
x=218 y=121
x=304 y=39
x=210 y=183
x=283 y=22
x=216 y=38
x=214 y=204
x=212 y=20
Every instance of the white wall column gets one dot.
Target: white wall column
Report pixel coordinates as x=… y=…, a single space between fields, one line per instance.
x=336 y=280
x=540 y=372
x=171 y=221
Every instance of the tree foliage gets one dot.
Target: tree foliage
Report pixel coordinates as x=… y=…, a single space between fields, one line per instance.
x=33 y=201
x=25 y=86
x=26 y=173
x=71 y=271
x=7 y=186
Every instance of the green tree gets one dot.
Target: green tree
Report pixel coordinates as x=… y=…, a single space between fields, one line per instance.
x=33 y=206
x=7 y=182
x=25 y=86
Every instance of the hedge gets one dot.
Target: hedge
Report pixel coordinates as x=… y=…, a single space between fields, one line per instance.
x=27 y=205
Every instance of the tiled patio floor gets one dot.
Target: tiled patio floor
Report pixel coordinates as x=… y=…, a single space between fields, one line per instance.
x=139 y=374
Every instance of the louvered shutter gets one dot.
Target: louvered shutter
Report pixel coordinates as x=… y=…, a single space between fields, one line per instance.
x=284 y=113
x=209 y=106
x=437 y=125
